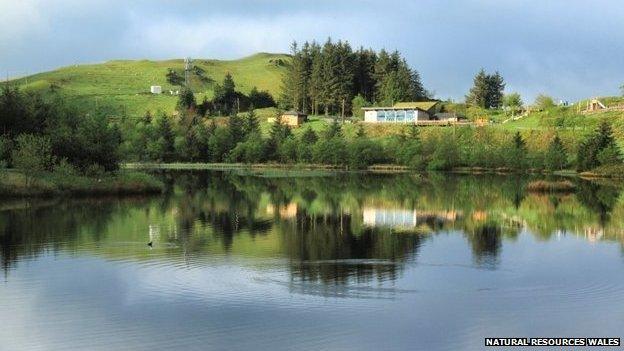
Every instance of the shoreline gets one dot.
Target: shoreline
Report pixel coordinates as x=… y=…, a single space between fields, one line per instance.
x=375 y=169
x=14 y=184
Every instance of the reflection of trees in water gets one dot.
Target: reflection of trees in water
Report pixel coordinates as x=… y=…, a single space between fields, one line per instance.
x=227 y=204
x=51 y=226
x=486 y=244
x=599 y=198
x=326 y=229
x=327 y=249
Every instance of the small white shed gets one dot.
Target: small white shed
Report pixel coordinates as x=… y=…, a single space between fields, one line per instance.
x=156 y=89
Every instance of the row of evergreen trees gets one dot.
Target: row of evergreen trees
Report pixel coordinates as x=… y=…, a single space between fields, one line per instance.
x=239 y=139
x=326 y=78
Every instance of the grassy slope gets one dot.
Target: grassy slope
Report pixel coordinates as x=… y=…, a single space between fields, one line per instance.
x=123 y=85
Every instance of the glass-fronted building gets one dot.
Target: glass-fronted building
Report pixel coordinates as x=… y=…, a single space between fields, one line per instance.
x=405 y=112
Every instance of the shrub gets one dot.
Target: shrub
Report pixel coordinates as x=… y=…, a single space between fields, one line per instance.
x=64 y=168
x=95 y=171
x=364 y=152
x=287 y=150
x=33 y=154
x=544 y=102
x=330 y=151
x=357 y=103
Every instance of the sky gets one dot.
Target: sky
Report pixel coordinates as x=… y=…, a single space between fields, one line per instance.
x=564 y=48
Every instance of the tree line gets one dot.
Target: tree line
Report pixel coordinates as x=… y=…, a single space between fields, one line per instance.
x=327 y=78
x=44 y=134
x=239 y=138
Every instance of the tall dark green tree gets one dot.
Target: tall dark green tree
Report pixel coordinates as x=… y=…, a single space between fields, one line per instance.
x=186 y=100
x=598 y=149
x=364 y=78
x=487 y=90
x=478 y=94
x=165 y=139
x=496 y=86
x=251 y=125
x=236 y=128
x=556 y=157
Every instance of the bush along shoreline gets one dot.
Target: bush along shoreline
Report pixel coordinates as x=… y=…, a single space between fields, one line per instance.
x=47 y=148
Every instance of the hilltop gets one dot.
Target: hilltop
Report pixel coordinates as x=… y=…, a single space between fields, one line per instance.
x=122 y=86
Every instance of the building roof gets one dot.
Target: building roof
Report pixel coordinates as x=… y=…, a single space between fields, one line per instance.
x=293 y=113
x=421 y=105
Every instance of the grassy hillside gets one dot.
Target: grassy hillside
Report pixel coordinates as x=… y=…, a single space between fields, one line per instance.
x=122 y=86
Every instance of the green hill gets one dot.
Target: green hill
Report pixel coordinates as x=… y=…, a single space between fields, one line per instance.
x=122 y=86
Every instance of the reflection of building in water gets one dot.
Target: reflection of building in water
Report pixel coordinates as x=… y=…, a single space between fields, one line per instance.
x=593 y=234
x=154 y=233
x=285 y=211
x=381 y=217
x=479 y=216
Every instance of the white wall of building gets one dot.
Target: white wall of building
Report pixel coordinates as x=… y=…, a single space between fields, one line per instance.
x=370 y=116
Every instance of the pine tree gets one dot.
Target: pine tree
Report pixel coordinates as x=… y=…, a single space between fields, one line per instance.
x=235 y=128
x=364 y=79
x=309 y=137
x=496 y=85
x=487 y=90
x=345 y=74
x=517 y=155
x=316 y=78
x=251 y=125
x=166 y=138
x=593 y=151
x=333 y=130
x=330 y=77
x=186 y=100
x=556 y=156
x=478 y=94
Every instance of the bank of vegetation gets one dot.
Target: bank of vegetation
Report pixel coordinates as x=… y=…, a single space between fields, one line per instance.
x=48 y=148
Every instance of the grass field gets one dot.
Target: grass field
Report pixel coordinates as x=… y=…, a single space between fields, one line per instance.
x=123 y=86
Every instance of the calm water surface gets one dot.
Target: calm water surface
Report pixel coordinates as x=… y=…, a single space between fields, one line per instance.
x=348 y=262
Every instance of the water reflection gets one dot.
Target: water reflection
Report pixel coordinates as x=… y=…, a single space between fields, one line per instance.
x=350 y=262
x=332 y=230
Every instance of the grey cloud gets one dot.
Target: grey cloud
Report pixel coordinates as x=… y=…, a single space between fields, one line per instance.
x=566 y=48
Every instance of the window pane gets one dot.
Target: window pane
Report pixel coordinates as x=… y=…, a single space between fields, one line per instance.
x=410 y=115
x=390 y=116
x=400 y=116
x=381 y=116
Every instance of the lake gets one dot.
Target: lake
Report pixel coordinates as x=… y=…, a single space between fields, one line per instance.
x=341 y=262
